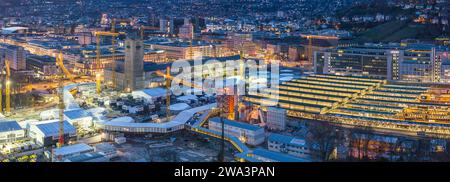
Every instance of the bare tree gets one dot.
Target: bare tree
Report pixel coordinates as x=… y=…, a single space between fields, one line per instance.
x=323 y=138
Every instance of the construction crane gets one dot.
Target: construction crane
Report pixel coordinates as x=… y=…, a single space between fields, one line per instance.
x=97 y=64
x=61 y=106
x=7 y=90
x=168 y=92
x=224 y=99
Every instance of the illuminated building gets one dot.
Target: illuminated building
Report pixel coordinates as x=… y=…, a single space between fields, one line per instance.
x=357 y=101
x=10 y=131
x=186 y=31
x=289 y=145
x=276 y=118
x=166 y=26
x=410 y=63
x=15 y=55
x=44 y=67
x=185 y=50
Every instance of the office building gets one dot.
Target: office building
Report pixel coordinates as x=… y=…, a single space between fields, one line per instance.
x=187 y=30
x=66 y=152
x=276 y=118
x=289 y=145
x=46 y=133
x=43 y=67
x=10 y=131
x=185 y=50
x=248 y=133
x=16 y=56
x=408 y=63
x=167 y=25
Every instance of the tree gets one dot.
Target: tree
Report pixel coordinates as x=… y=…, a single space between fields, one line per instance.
x=322 y=138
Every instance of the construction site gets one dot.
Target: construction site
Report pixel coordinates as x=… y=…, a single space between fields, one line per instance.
x=132 y=104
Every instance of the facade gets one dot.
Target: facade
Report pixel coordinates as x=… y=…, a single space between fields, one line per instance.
x=410 y=63
x=10 y=131
x=250 y=134
x=16 y=56
x=78 y=118
x=264 y=155
x=187 y=30
x=43 y=67
x=184 y=50
x=289 y=145
x=166 y=25
x=46 y=133
x=276 y=118
x=66 y=152
x=134 y=65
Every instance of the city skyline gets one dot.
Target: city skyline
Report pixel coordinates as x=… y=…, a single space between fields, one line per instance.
x=224 y=81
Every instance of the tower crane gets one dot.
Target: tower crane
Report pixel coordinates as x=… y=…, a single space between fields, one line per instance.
x=98 y=65
x=310 y=39
x=7 y=90
x=61 y=106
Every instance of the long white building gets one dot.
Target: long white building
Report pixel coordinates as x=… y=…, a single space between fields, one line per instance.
x=394 y=62
x=248 y=133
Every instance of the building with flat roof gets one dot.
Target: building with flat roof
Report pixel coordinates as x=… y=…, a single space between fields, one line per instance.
x=79 y=118
x=15 y=55
x=46 y=133
x=394 y=62
x=10 y=131
x=43 y=67
x=276 y=118
x=264 y=155
x=65 y=152
x=185 y=50
x=289 y=145
x=248 y=133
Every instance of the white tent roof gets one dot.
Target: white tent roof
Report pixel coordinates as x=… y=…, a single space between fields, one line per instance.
x=125 y=119
x=179 y=107
x=187 y=98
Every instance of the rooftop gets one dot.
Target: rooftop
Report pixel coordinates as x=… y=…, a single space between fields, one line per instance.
x=71 y=149
x=51 y=128
x=9 y=126
x=287 y=139
x=76 y=114
x=236 y=124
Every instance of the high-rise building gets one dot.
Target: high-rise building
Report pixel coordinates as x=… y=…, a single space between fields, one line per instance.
x=187 y=30
x=16 y=56
x=134 y=64
x=410 y=63
x=166 y=25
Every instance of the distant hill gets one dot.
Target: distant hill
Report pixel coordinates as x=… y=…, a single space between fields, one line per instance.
x=395 y=31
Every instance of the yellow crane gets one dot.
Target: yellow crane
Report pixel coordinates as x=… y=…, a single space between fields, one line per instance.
x=7 y=90
x=61 y=106
x=97 y=64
